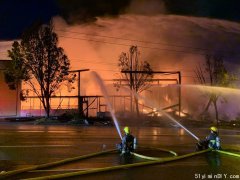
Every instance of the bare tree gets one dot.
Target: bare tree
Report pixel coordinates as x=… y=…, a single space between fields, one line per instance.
x=213 y=73
x=137 y=73
x=37 y=59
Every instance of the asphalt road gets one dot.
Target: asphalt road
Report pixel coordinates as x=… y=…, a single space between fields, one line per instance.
x=23 y=145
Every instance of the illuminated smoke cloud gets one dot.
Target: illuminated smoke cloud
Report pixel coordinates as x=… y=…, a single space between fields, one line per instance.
x=168 y=42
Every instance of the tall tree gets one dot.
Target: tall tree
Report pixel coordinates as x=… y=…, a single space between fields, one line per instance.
x=15 y=71
x=213 y=73
x=37 y=59
x=137 y=73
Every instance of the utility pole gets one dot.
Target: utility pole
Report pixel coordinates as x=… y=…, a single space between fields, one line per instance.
x=179 y=92
x=131 y=82
x=80 y=99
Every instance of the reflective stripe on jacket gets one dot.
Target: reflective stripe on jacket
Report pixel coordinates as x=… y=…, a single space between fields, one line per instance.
x=213 y=141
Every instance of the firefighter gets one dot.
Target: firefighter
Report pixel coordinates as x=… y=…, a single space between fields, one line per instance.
x=211 y=141
x=129 y=142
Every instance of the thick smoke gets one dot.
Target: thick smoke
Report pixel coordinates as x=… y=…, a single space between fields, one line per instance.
x=80 y=11
x=17 y=16
x=168 y=42
x=94 y=35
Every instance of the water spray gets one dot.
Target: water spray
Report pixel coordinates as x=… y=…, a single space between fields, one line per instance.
x=212 y=89
x=104 y=91
x=171 y=118
x=166 y=114
x=105 y=94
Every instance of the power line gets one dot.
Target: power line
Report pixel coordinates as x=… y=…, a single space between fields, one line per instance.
x=112 y=64
x=141 y=41
x=103 y=63
x=155 y=48
x=100 y=62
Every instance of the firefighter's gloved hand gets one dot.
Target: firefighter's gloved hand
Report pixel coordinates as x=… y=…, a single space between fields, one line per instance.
x=199 y=146
x=123 y=152
x=199 y=143
x=119 y=147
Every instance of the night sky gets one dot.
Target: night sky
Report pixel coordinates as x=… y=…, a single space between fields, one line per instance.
x=16 y=15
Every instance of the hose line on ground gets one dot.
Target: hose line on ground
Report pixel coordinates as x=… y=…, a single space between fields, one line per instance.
x=161 y=149
x=154 y=158
x=78 y=173
x=147 y=157
x=18 y=171
x=228 y=153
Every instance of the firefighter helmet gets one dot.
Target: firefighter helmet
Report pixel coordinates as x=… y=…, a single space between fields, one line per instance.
x=126 y=130
x=214 y=129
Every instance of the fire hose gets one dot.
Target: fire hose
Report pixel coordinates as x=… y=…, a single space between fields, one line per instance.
x=47 y=165
x=154 y=160
x=160 y=161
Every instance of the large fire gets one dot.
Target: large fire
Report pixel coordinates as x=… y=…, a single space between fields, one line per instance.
x=167 y=42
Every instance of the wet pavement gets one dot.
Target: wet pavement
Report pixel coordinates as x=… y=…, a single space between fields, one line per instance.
x=23 y=145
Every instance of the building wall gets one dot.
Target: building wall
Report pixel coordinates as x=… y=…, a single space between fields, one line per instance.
x=9 y=104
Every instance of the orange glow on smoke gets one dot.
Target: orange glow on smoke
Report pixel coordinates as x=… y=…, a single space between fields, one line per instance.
x=100 y=53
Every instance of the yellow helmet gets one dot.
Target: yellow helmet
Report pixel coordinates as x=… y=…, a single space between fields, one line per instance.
x=214 y=129
x=126 y=130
